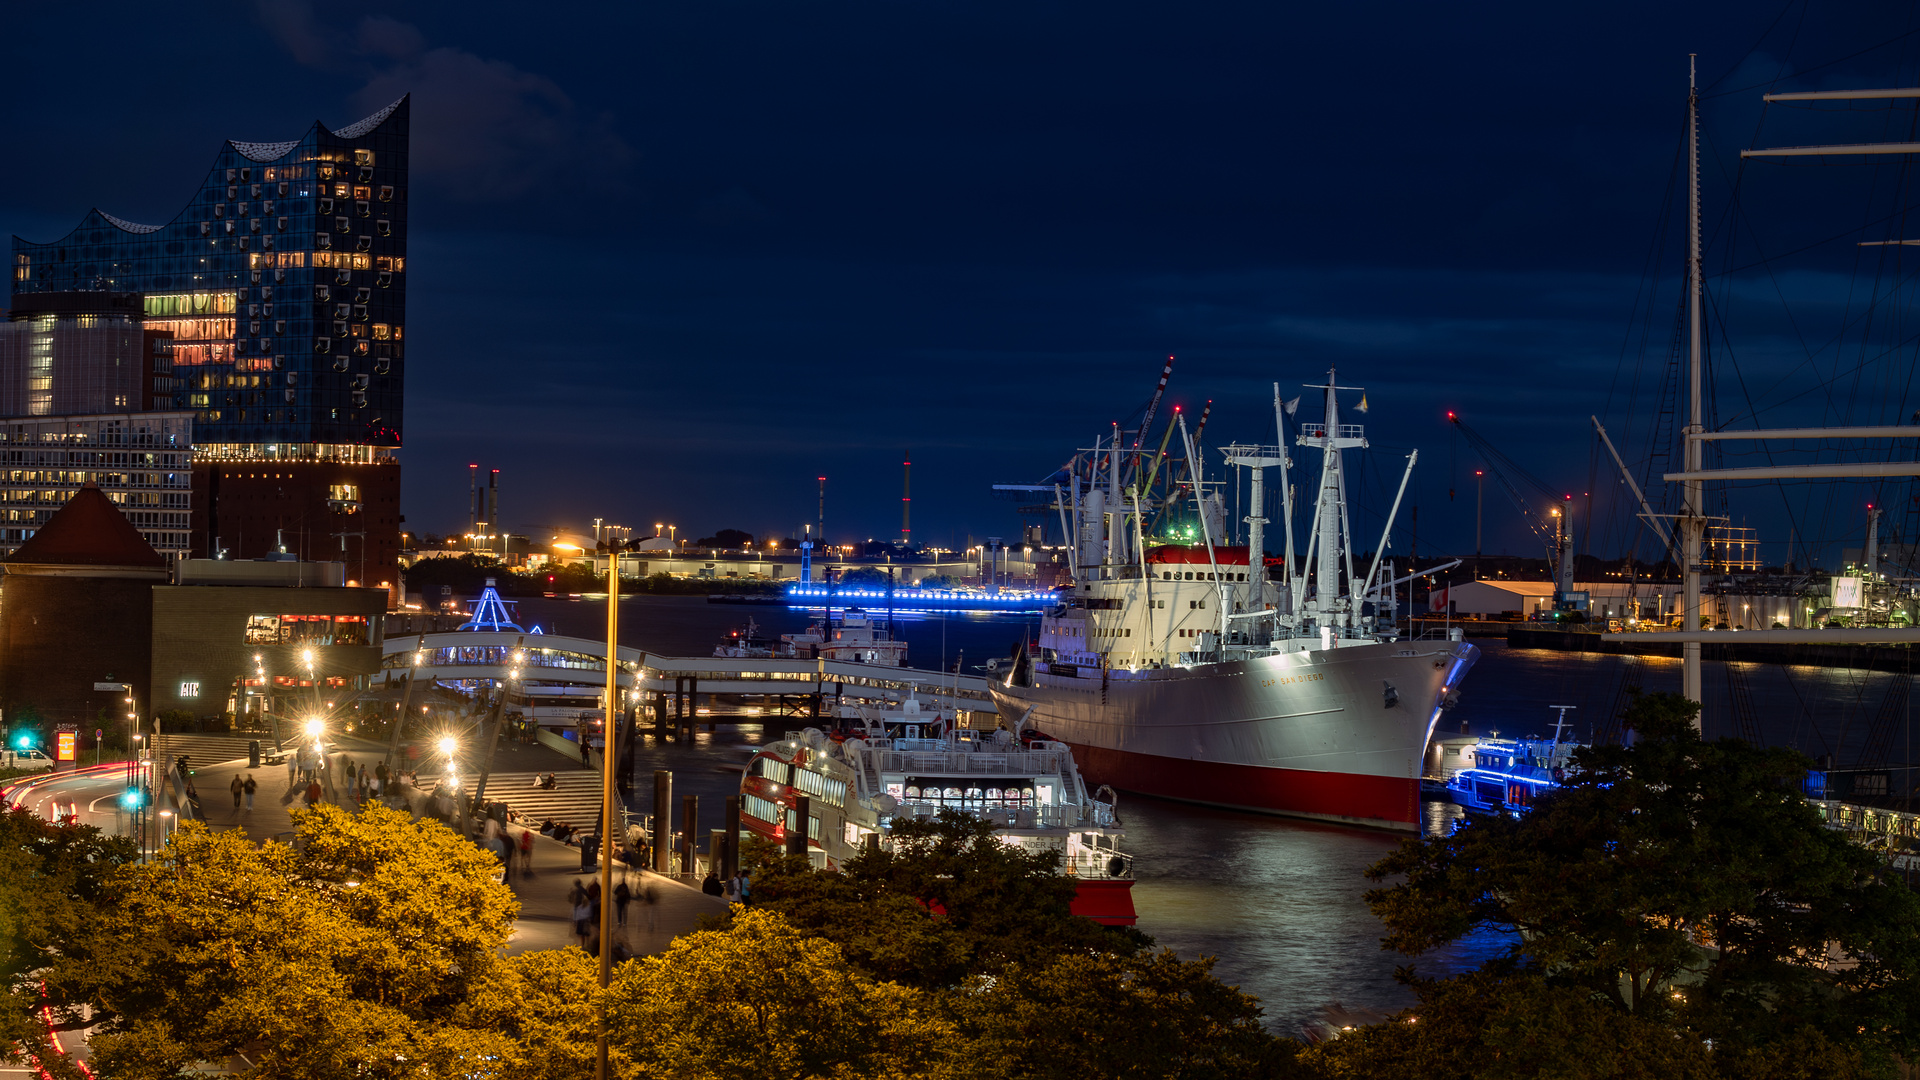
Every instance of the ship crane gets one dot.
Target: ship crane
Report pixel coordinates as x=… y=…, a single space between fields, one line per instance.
x=1556 y=536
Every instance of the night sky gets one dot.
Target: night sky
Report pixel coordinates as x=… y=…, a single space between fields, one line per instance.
x=670 y=262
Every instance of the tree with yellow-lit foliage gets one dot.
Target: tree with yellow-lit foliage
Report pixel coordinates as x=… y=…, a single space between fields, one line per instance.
x=369 y=948
x=762 y=999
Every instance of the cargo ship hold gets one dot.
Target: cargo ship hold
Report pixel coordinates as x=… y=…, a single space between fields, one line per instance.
x=1180 y=670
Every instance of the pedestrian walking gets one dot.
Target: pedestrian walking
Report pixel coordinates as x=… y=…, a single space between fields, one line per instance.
x=247 y=789
x=314 y=794
x=578 y=894
x=526 y=854
x=236 y=787
x=650 y=899
x=746 y=887
x=711 y=885
x=293 y=769
x=622 y=896
x=582 y=921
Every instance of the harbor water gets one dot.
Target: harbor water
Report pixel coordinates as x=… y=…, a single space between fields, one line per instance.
x=1277 y=902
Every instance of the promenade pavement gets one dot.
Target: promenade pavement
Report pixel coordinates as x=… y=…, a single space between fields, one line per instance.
x=546 y=915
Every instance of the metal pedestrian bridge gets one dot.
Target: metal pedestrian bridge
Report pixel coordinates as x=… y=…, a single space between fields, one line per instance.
x=474 y=656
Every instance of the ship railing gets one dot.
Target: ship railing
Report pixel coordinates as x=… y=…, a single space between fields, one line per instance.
x=1012 y=763
x=1012 y=817
x=1097 y=864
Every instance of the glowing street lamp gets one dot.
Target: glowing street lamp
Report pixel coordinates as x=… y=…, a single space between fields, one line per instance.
x=448 y=746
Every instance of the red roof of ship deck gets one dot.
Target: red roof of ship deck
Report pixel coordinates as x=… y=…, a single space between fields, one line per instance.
x=1196 y=555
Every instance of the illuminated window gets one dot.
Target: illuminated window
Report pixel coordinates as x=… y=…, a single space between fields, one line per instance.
x=382 y=332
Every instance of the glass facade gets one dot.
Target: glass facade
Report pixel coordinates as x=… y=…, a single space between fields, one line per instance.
x=282 y=285
x=143 y=461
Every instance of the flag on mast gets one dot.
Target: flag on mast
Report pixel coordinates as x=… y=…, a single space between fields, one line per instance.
x=1363 y=403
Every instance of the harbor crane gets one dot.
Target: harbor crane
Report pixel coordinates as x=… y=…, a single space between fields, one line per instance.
x=1554 y=530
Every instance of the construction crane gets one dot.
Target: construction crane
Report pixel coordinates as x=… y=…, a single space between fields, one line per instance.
x=1554 y=531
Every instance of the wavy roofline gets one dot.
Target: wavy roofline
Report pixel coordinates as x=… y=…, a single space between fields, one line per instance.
x=267 y=152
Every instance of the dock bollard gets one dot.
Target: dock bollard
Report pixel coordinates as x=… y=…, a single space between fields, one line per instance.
x=689 y=820
x=662 y=821
x=730 y=851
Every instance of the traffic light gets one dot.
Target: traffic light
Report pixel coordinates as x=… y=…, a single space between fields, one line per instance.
x=23 y=742
x=132 y=798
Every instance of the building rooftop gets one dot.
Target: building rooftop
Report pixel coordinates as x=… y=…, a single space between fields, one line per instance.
x=88 y=531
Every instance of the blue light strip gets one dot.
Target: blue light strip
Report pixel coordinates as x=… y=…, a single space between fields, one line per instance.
x=931 y=599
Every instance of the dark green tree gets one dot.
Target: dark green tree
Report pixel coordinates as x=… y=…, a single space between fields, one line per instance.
x=948 y=901
x=1682 y=883
x=54 y=880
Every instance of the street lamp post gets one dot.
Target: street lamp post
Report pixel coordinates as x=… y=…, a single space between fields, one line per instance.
x=608 y=813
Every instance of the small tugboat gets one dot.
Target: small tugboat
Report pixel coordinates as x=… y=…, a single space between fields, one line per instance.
x=849 y=635
x=1508 y=775
x=744 y=644
x=901 y=764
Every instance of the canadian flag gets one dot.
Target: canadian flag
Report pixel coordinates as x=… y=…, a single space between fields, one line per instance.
x=1437 y=600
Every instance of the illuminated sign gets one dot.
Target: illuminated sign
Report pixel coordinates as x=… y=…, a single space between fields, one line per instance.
x=189 y=689
x=66 y=744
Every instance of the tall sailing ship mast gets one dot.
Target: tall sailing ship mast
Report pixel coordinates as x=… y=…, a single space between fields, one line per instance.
x=1692 y=520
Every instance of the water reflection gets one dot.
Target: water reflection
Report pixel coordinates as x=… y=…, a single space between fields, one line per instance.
x=1278 y=902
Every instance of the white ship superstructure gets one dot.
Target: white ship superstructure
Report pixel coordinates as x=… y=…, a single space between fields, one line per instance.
x=1181 y=670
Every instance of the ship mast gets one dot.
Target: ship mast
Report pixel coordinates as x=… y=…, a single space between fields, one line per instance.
x=1693 y=520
